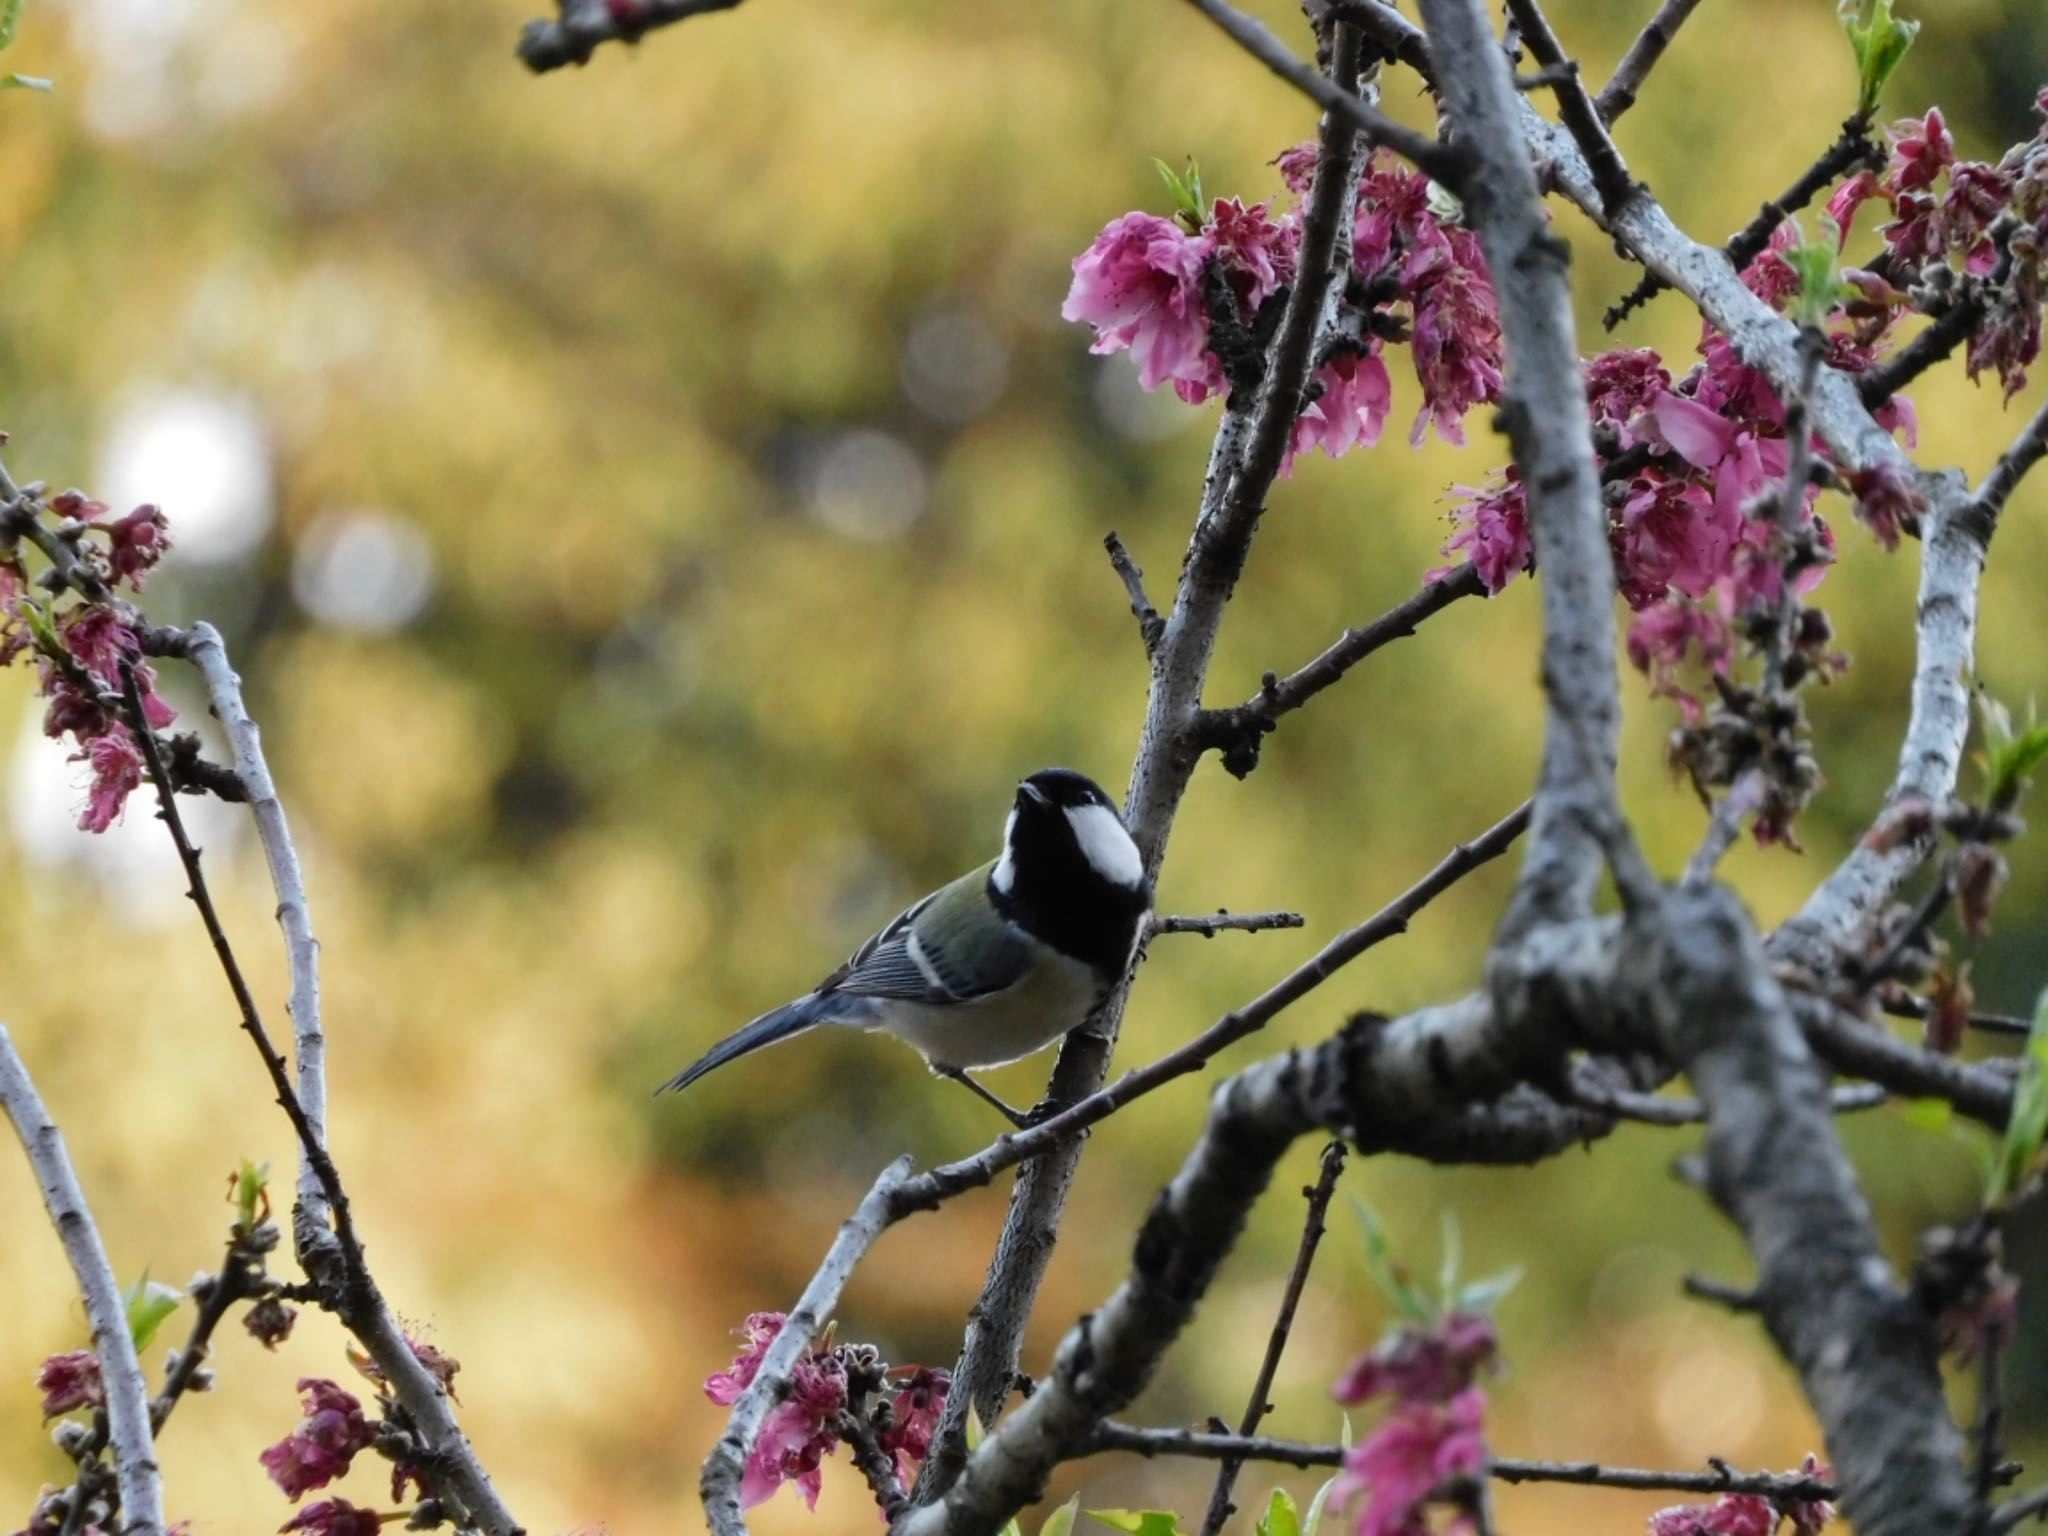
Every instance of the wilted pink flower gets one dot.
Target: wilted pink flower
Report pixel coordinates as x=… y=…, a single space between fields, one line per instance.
x=913 y=1417
x=1887 y=501
x=1623 y=383
x=1356 y=394
x=1921 y=151
x=1660 y=636
x=1456 y=342
x=70 y=1380
x=1846 y=199
x=1422 y=1365
x=1140 y=286
x=100 y=642
x=437 y=1365
x=759 y=1330
x=1398 y=1466
x=321 y=1447
x=798 y=1433
x=1257 y=252
x=136 y=542
x=69 y=708
x=333 y=1517
x=1809 y=1515
x=270 y=1321
x=1297 y=166
x=1733 y=1514
x=1672 y=535
x=1493 y=531
x=116 y=764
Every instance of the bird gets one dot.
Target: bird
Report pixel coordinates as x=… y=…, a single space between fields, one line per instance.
x=1001 y=962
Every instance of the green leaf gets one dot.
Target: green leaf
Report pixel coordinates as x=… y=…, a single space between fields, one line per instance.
x=1879 y=43
x=1820 y=285
x=42 y=628
x=26 y=83
x=148 y=1305
x=1322 y=1498
x=1447 y=1274
x=10 y=21
x=1138 y=1522
x=2009 y=755
x=1483 y=1295
x=2029 y=1122
x=1061 y=1521
x=1186 y=192
x=1407 y=1300
x=250 y=1189
x=1281 y=1517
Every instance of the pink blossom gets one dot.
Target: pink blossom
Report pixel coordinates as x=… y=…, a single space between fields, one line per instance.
x=1457 y=341
x=1257 y=252
x=70 y=1380
x=1419 y=1448
x=1350 y=410
x=759 y=1330
x=1848 y=197
x=1672 y=535
x=135 y=544
x=1624 y=382
x=1493 y=532
x=323 y=1444
x=1417 y=1364
x=334 y=1517
x=1140 y=286
x=799 y=1432
x=100 y=642
x=1660 y=636
x=1809 y=1515
x=1921 y=151
x=913 y=1417
x=1297 y=166
x=116 y=765
x=1733 y=1514
x=70 y=708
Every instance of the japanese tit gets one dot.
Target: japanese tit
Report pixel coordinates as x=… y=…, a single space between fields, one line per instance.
x=998 y=964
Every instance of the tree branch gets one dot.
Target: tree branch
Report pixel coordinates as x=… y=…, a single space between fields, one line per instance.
x=584 y=25
x=135 y=1466
x=1226 y=922
x=1619 y=94
x=1150 y=625
x=1243 y=462
x=1575 y=106
x=1220 y=1506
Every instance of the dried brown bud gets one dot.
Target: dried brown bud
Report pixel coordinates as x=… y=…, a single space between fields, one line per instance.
x=1979 y=876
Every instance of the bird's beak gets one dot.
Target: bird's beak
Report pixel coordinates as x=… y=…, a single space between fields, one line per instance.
x=1031 y=789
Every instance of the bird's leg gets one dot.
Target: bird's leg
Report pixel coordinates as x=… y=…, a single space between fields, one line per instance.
x=959 y=1075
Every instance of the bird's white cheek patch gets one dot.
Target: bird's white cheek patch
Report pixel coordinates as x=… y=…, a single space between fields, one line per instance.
x=1006 y=867
x=1106 y=845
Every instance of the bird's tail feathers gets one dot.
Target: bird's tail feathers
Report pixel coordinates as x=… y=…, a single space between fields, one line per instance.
x=777 y=1024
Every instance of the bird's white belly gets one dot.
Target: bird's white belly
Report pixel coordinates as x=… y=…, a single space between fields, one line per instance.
x=1004 y=1027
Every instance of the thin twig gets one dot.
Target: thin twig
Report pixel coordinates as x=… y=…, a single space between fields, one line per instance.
x=1619 y=94
x=1990 y=1418
x=1443 y=164
x=1318 y=1194
x=1200 y=1445
x=2028 y=1506
x=356 y=1298
x=1238 y=729
x=875 y=1465
x=586 y=24
x=1906 y=1005
x=1655 y=1109
x=1575 y=107
x=719 y=1482
x=1724 y=826
x=1226 y=922
x=2026 y=451
x=1976 y=1089
x=232 y=1284
x=1393 y=35
x=1853 y=146
x=135 y=1466
x=1734 y=1297
x=1150 y=626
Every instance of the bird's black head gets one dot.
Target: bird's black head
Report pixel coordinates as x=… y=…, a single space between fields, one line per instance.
x=1070 y=874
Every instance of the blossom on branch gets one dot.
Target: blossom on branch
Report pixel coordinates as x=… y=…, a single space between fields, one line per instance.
x=323 y=1444
x=70 y=1380
x=799 y=1432
x=913 y=1418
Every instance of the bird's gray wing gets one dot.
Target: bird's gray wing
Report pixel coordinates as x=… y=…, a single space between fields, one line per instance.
x=939 y=951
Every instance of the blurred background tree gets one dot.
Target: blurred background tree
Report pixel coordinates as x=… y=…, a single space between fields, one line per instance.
x=657 y=509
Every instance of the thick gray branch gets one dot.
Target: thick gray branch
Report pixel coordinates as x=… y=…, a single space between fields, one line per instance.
x=1543 y=408
x=135 y=1467
x=1865 y=1351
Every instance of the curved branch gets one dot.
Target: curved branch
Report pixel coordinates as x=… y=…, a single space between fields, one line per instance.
x=135 y=1467
x=586 y=25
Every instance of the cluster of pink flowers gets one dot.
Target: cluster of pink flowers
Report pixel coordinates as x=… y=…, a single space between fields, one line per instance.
x=828 y=1385
x=334 y=1517
x=1433 y=1437
x=324 y=1442
x=1151 y=286
x=800 y=1431
x=80 y=673
x=1747 y=1514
